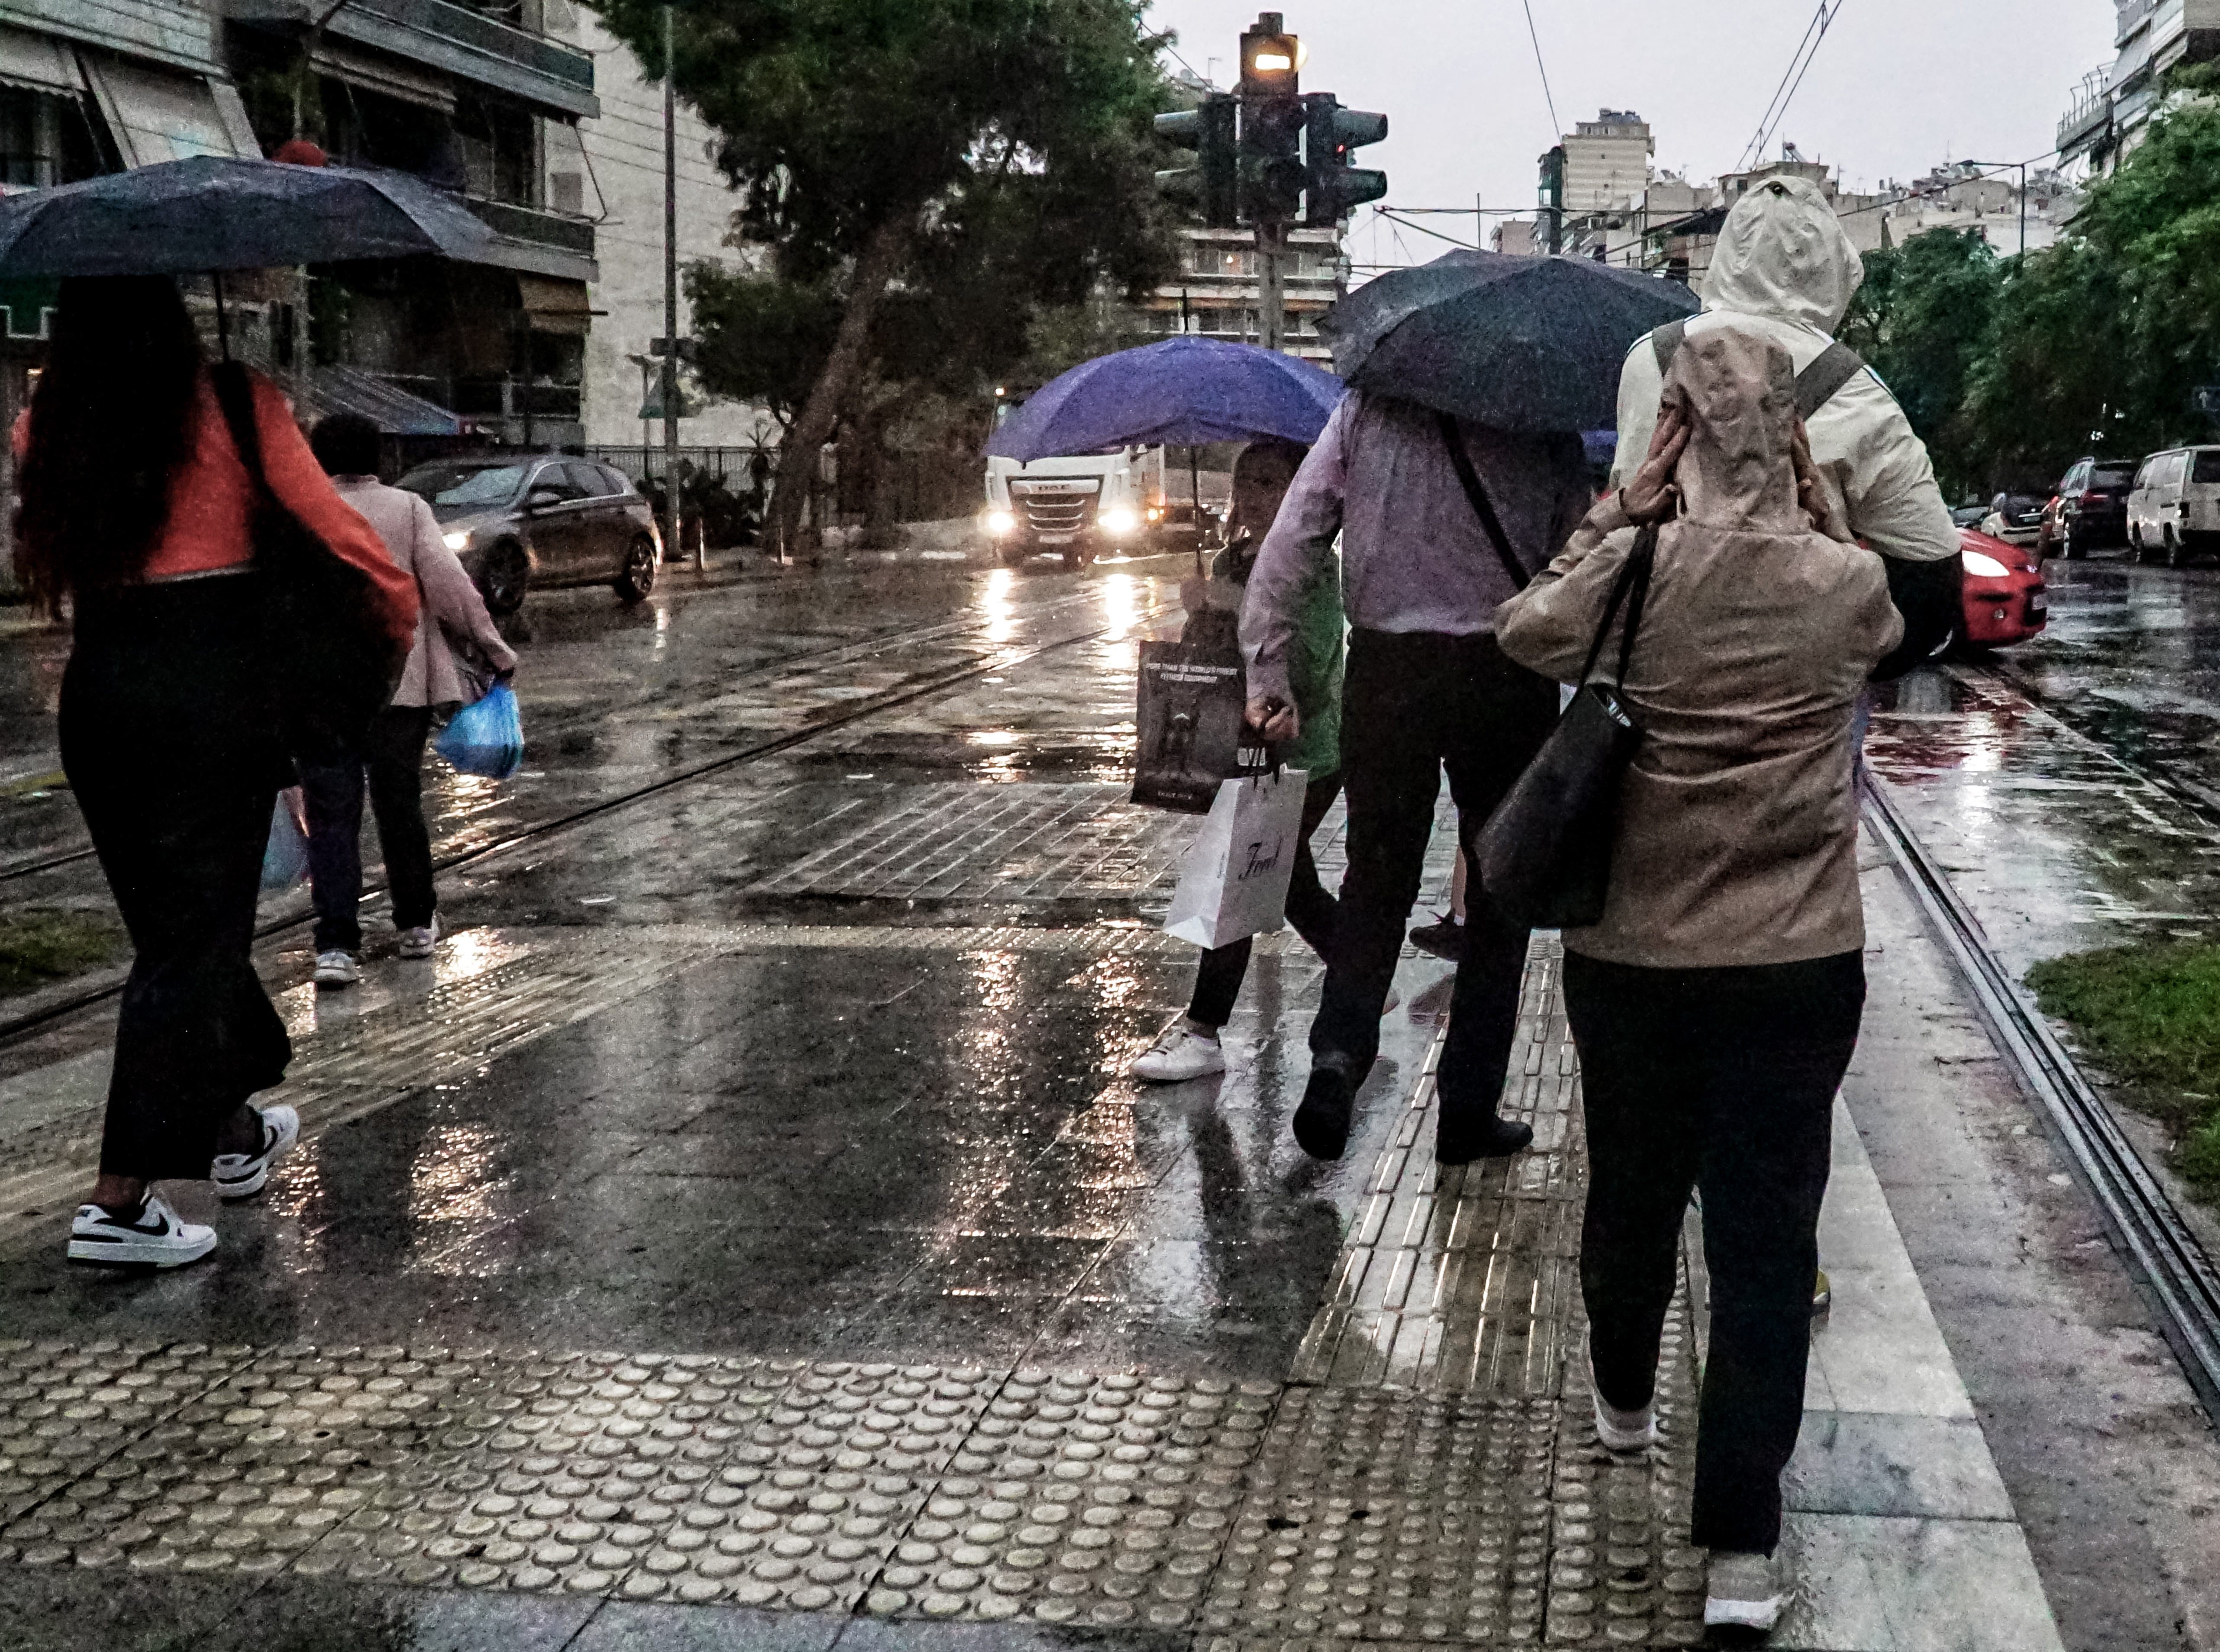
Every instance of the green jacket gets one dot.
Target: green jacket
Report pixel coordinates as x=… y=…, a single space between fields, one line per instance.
x=1314 y=664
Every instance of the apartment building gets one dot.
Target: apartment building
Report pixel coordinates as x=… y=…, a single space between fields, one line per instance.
x=1216 y=294
x=2107 y=112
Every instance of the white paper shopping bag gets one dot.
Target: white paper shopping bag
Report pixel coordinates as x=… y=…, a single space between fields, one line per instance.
x=1233 y=880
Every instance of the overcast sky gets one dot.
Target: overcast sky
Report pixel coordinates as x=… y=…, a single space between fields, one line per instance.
x=1898 y=86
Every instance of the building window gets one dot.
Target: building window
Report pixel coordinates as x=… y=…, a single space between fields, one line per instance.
x=43 y=140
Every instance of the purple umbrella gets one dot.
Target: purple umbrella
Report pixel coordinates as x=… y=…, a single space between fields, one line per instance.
x=1181 y=392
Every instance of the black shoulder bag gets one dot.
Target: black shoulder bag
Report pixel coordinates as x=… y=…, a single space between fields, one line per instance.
x=332 y=668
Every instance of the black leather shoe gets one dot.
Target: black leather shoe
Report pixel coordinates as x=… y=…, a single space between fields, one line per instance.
x=1322 y=1121
x=1443 y=938
x=1462 y=1141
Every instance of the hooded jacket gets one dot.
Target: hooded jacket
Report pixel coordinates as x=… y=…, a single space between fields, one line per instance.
x=1783 y=264
x=1738 y=825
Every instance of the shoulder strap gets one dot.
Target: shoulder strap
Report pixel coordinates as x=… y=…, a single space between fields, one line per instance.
x=1633 y=581
x=1453 y=439
x=234 y=394
x=1836 y=365
x=1666 y=340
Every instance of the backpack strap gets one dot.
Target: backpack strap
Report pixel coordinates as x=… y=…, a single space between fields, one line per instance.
x=234 y=394
x=1666 y=341
x=1836 y=365
x=1482 y=506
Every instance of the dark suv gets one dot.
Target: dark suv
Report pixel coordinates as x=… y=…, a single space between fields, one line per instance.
x=541 y=519
x=2093 y=506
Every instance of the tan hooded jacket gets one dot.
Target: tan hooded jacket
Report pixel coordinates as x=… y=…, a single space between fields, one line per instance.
x=1783 y=262
x=1737 y=831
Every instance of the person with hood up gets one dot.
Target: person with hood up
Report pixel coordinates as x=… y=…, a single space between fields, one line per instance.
x=1716 y=1005
x=1785 y=269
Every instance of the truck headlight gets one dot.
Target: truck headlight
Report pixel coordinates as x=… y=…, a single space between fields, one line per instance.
x=457 y=541
x=1120 y=522
x=1000 y=522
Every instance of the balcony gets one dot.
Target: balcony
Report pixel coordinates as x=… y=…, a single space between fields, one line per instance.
x=544 y=243
x=549 y=74
x=2087 y=116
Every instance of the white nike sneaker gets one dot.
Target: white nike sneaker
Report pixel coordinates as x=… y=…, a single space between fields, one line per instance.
x=241 y=1175
x=337 y=969
x=1745 y=1591
x=154 y=1238
x=1182 y=1053
x=419 y=942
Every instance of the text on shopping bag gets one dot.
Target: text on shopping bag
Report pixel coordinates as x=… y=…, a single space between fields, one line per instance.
x=1233 y=880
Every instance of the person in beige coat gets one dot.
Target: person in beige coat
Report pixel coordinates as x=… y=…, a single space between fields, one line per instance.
x=451 y=614
x=1717 y=1004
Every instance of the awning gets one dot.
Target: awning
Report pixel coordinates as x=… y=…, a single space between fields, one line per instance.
x=395 y=411
x=390 y=77
x=39 y=63
x=157 y=116
x=555 y=306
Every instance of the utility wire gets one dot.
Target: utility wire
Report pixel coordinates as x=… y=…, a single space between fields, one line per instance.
x=1556 y=127
x=1776 y=108
x=1389 y=213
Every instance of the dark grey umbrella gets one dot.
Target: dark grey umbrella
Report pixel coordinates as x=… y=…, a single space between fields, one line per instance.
x=213 y=213
x=1533 y=344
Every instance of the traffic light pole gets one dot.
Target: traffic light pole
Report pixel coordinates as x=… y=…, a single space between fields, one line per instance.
x=1271 y=285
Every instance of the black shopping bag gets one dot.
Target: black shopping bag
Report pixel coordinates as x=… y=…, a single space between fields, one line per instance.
x=1191 y=703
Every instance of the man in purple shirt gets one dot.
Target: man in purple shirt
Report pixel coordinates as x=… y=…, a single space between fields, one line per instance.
x=1427 y=688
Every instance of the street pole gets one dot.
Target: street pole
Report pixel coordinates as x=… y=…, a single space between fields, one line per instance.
x=1271 y=285
x=2022 y=209
x=671 y=513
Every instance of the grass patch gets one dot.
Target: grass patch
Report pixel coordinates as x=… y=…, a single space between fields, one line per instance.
x=2151 y=1013
x=40 y=946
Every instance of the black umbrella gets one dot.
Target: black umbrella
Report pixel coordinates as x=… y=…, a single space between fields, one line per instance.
x=1531 y=344
x=213 y=213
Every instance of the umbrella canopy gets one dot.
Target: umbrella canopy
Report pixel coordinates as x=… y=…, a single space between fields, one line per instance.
x=215 y=213
x=1183 y=391
x=1531 y=344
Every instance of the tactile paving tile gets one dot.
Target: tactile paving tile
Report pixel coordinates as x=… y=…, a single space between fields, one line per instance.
x=1082 y=1500
x=66 y=1410
x=1376 y=1516
x=1622 y=1573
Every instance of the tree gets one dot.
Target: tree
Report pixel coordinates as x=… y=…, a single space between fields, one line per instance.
x=971 y=157
x=1922 y=320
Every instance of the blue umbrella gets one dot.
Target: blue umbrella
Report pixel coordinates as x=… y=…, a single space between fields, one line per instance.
x=1183 y=391
x=215 y=213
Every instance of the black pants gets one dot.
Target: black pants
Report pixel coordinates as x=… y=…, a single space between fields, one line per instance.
x=1722 y=1080
x=172 y=753
x=1217 y=978
x=393 y=757
x=1412 y=704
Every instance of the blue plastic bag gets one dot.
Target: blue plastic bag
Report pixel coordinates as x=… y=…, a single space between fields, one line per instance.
x=486 y=737
x=285 y=858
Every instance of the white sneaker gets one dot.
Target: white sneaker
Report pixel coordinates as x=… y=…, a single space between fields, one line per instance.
x=337 y=969
x=1181 y=1054
x=1622 y=1430
x=419 y=942
x=1746 y=1591
x=240 y=1175
x=155 y=1238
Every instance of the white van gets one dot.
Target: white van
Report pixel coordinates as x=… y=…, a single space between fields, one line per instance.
x=2174 y=509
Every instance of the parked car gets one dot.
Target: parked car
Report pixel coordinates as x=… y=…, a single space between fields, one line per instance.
x=2014 y=518
x=2174 y=509
x=2091 y=511
x=1968 y=515
x=2005 y=600
x=541 y=519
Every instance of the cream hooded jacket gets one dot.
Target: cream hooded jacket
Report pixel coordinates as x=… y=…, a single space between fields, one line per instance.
x=1783 y=263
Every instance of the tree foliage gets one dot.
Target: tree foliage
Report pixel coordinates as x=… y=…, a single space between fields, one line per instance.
x=1921 y=319
x=939 y=170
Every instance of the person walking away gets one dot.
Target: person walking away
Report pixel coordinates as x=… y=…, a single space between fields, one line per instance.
x=136 y=510
x=1716 y=1005
x=1427 y=688
x=1189 y=1047
x=346 y=445
x=1785 y=269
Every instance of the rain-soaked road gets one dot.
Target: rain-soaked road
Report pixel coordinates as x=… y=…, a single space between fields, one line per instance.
x=742 y=1234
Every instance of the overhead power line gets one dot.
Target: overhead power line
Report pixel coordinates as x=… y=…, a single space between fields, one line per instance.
x=1556 y=127
x=1776 y=108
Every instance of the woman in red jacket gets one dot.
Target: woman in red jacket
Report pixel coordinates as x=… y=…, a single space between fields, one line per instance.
x=136 y=508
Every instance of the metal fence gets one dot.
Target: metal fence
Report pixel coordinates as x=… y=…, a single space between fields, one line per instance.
x=920 y=487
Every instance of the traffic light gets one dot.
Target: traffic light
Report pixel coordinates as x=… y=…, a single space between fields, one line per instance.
x=1332 y=188
x=1211 y=186
x=1272 y=177
x=1271 y=58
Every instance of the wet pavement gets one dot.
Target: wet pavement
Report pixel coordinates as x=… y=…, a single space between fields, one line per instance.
x=743 y=1233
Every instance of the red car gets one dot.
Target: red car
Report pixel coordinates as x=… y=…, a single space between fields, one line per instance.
x=2004 y=599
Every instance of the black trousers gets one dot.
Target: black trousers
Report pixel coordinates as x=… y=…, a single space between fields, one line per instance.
x=172 y=753
x=1217 y=978
x=393 y=758
x=1724 y=1081
x=1413 y=704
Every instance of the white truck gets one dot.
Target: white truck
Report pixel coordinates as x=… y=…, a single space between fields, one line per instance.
x=1077 y=507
